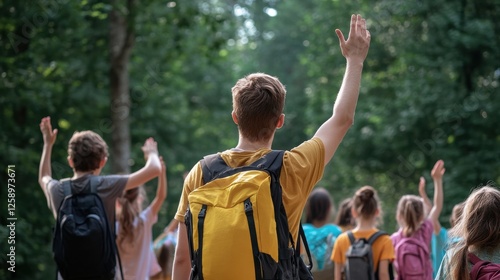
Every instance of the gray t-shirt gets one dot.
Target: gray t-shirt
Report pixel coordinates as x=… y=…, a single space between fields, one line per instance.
x=109 y=188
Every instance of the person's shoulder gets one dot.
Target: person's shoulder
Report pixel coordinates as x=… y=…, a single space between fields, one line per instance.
x=111 y=180
x=427 y=228
x=395 y=237
x=333 y=228
x=313 y=143
x=385 y=238
x=343 y=237
x=54 y=182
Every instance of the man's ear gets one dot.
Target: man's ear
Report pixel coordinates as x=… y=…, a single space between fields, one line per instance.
x=103 y=162
x=235 y=119
x=281 y=121
x=70 y=162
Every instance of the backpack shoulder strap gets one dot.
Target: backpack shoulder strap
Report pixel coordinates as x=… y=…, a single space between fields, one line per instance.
x=66 y=186
x=271 y=161
x=211 y=166
x=93 y=183
x=376 y=235
x=473 y=259
x=352 y=239
x=302 y=236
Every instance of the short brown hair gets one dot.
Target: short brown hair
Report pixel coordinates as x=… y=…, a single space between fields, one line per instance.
x=86 y=149
x=258 y=102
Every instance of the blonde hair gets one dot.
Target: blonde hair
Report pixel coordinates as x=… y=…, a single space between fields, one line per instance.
x=130 y=210
x=479 y=226
x=410 y=214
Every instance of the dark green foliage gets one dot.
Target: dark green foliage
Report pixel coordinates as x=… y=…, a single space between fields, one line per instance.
x=430 y=91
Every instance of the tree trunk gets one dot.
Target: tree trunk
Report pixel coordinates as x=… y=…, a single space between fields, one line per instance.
x=121 y=41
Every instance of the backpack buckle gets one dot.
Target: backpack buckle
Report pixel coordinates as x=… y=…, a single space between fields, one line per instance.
x=248 y=206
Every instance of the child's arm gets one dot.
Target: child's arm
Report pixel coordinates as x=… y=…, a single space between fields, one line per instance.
x=49 y=137
x=151 y=169
x=182 y=260
x=338 y=271
x=425 y=198
x=354 y=50
x=437 y=175
x=383 y=270
x=161 y=191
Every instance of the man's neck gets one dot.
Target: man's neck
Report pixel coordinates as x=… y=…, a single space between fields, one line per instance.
x=79 y=174
x=246 y=145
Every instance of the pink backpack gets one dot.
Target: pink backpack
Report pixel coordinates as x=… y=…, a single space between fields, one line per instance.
x=412 y=259
x=483 y=270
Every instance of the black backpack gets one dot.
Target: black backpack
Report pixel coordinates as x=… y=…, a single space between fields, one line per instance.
x=290 y=265
x=83 y=245
x=359 y=258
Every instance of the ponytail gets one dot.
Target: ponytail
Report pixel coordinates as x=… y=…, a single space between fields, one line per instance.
x=129 y=211
x=411 y=212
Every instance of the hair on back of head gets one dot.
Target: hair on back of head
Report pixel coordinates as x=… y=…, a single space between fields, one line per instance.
x=344 y=214
x=87 y=149
x=365 y=202
x=456 y=213
x=410 y=213
x=258 y=102
x=318 y=206
x=130 y=209
x=479 y=227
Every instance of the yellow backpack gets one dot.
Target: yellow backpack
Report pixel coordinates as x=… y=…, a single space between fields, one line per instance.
x=237 y=225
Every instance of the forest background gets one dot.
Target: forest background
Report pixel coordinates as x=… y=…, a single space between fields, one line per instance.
x=131 y=69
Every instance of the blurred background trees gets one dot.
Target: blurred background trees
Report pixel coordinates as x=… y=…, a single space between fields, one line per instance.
x=430 y=91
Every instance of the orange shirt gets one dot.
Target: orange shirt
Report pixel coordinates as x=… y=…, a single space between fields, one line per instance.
x=382 y=247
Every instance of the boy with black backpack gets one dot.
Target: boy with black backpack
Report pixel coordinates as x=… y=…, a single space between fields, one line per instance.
x=84 y=205
x=241 y=204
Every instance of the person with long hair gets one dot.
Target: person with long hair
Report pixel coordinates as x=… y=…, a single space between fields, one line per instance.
x=320 y=232
x=134 y=234
x=344 y=215
x=418 y=226
x=477 y=232
x=366 y=210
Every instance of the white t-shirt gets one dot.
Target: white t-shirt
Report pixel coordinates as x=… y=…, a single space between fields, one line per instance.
x=137 y=257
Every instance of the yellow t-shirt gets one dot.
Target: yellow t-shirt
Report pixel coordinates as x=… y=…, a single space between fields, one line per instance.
x=302 y=168
x=382 y=247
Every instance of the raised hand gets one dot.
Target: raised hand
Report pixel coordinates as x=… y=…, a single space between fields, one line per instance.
x=150 y=146
x=49 y=134
x=438 y=170
x=358 y=43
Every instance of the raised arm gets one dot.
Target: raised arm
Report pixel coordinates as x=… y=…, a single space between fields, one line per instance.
x=151 y=169
x=161 y=191
x=425 y=198
x=49 y=138
x=437 y=175
x=354 y=50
